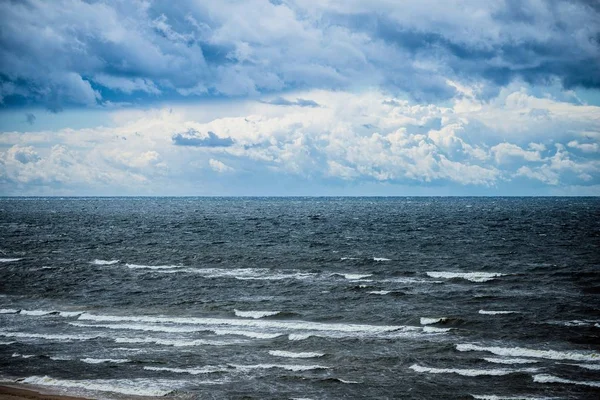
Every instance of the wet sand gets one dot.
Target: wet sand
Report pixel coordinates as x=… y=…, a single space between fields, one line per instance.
x=18 y=393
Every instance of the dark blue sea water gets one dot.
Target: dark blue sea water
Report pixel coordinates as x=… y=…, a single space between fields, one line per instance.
x=302 y=298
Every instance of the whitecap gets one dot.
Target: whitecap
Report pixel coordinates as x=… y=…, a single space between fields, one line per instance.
x=291 y=354
x=26 y=335
x=69 y=314
x=495 y=397
x=354 y=276
x=510 y=360
x=470 y=276
x=430 y=321
x=433 y=329
x=14 y=355
x=348 y=258
x=139 y=387
x=255 y=314
x=489 y=312
x=105 y=360
x=140 y=266
x=7 y=260
x=141 y=327
x=288 y=367
x=544 y=378
x=250 y=334
x=8 y=311
x=380 y=292
x=306 y=327
x=174 y=342
x=469 y=371
x=592 y=367
x=297 y=336
x=523 y=352
x=209 y=369
x=104 y=262
x=379 y=259
x=36 y=313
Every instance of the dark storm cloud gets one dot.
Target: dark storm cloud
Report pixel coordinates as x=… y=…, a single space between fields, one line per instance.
x=64 y=53
x=197 y=139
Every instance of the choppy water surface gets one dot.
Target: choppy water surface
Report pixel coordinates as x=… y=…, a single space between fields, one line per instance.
x=320 y=298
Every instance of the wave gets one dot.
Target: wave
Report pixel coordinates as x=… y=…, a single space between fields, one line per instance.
x=380 y=259
x=352 y=276
x=306 y=327
x=544 y=378
x=25 y=335
x=486 y=312
x=495 y=397
x=244 y=273
x=140 y=387
x=469 y=371
x=348 y=258
x=510 y=360
x=105 y=360
x=522 y=352
x=7 y=260
x=104 y=262
x=255 y=314
x=431 y=321
x=380 y=292
x=433 y=329
x=41 y=313
x=296 y=336
x=209 y=369
x=140 y=266
x=7 y=343
x=470 y=276
x=250 y=334
x=9 y=311
x=288 y=367
x=174 y=342
x=37 y=313
x=291 y=354
x=15 y=355
x=592 y=367
x=140 y=327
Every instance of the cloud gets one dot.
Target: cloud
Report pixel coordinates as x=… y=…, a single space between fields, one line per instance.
x=218 y=166
x=280 y=101
x=30 y=118
x=354 y=140
x=197 y=139
x=74 y=52
x=585 y=147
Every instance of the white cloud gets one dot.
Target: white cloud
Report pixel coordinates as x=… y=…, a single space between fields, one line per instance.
x=359 y=137
x=218 y=166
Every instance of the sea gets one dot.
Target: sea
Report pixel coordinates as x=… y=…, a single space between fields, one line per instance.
x=302 y=298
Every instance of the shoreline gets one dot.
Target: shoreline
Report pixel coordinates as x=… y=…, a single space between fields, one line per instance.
x=22 y=392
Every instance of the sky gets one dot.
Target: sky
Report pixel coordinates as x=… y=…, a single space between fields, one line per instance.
x=299 y=98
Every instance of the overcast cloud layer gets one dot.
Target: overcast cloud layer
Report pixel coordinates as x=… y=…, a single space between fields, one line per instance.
x=300 y=97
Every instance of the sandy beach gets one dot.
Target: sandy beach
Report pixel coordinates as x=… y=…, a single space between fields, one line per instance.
x=19 y=393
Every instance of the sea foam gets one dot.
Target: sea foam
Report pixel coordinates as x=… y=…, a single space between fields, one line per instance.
x=469 y=371
x=255 y=314
x=544 y=378
x=104 y=262
x=139 y=387
x=470 y=276
x=291 y=354
x=523 y=352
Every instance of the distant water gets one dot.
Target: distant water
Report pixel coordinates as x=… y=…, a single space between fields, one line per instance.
x=290 y=298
